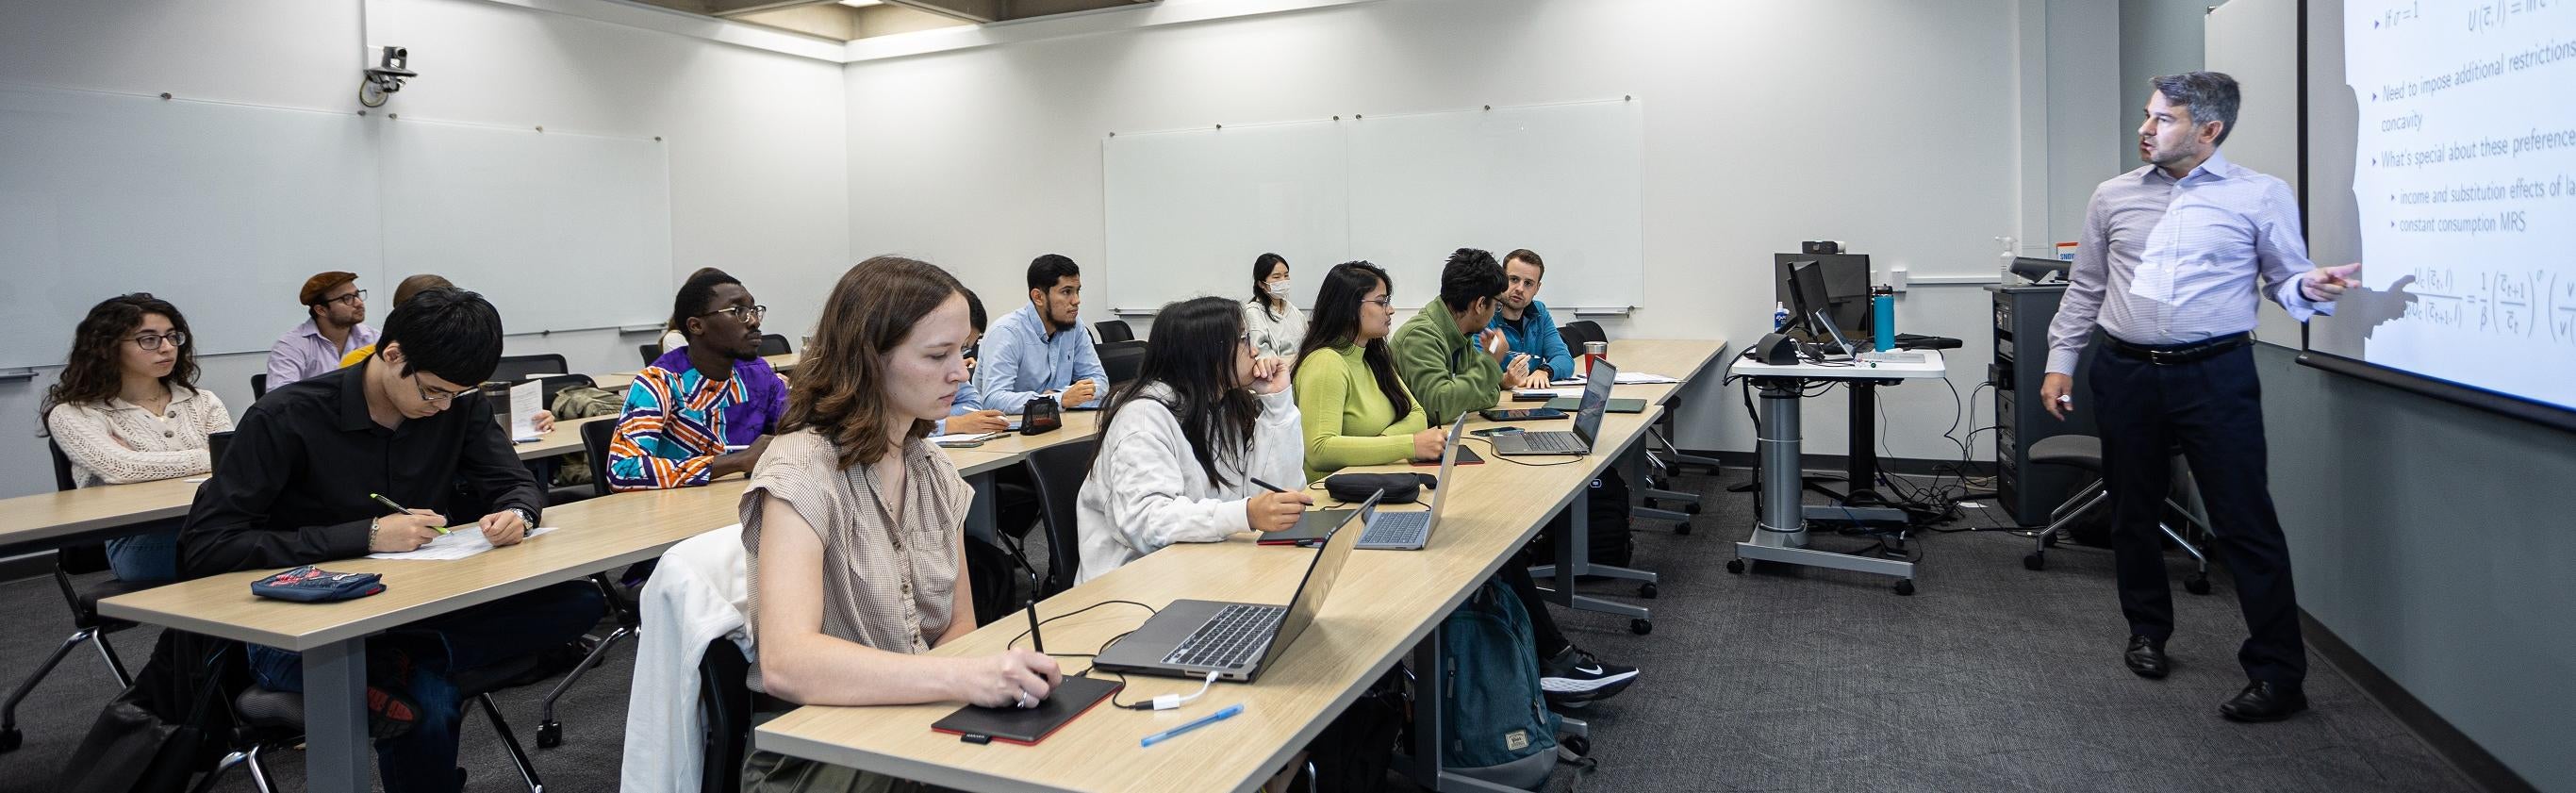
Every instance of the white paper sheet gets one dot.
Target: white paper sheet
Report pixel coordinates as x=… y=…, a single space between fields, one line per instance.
x=460 y=542
x=523 y=410
x=961 y=437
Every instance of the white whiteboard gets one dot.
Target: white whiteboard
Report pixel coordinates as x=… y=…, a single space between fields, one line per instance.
x=2257 y=42
x=223 y=210
x=560 y=231
x=1188 y=211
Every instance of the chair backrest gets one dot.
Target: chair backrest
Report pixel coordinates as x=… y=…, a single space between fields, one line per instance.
x=651 y=352
x=725 y=712
x=216 y=443
x=551 y=386
x=774 y=344
x=62 y=466
x=1123 y=360
x=595 y=437
x=514 y=368
x=1114 y=330
x=1057 y=471
x=1580 y=331
x=258 y=386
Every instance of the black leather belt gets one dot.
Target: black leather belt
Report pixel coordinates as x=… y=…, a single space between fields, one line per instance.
x=2179 y=354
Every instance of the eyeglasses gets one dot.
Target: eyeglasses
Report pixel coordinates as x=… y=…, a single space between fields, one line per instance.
x=435 y=396
x=176 y=338
x=352 y=298
x=743 y=314
x=1382 y=302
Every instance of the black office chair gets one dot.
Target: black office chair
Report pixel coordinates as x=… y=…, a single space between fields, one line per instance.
x=725 y=709
x=273 y=721
x=595 y=437
x=258 y=386
x=514 y=368
x=651 y=352
x=87 y=625
x=1057 y=471
x=2085 y=452
x=1114 y=330
x=773 y=344
x=1123 y=360
x=1580 y=331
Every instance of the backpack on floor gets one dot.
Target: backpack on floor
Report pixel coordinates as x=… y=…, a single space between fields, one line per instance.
x=1606 y=529
x=1499 y=727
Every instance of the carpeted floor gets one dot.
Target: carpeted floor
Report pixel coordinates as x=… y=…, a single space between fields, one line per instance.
x=1990 y=677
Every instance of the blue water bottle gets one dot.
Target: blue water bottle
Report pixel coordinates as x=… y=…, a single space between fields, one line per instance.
x=1779 y=316
x=1882 y=317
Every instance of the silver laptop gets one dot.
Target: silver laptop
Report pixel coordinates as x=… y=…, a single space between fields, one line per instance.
x=1191 y=638
x=1587 y=421
x=1409 y=531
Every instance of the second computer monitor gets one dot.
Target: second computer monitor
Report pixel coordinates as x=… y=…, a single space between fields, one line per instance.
x=1846 y=277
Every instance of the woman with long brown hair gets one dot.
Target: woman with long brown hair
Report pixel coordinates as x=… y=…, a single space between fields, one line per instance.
x=127 y=409
x=854 y=525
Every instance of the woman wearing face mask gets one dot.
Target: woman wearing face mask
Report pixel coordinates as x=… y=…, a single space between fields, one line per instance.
x=1277 y=327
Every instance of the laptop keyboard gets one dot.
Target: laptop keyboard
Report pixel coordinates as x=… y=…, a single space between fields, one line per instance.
x=1406 y=529
x=1552 y=442
x=1228 y=639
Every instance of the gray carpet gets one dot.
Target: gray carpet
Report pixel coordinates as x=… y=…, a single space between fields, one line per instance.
x=1990 y=677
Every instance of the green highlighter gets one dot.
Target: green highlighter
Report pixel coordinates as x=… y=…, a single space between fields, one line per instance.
x=398 y=508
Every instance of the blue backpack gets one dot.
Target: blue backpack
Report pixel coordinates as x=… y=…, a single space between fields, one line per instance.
x=1499 y=727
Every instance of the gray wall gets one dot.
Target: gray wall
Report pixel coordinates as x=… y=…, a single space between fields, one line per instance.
x=2436 y=540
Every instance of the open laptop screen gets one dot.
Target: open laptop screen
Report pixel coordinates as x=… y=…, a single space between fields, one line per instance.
x=1596 y=399
x=1318 y=584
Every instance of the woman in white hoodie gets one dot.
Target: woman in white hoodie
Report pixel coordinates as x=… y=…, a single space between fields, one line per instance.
x=1182 y=444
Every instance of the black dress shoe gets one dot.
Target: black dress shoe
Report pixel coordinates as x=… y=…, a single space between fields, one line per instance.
x=2261 y=701
x=2147 y=658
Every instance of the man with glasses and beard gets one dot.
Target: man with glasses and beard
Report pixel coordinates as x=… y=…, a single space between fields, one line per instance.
x=335 y=325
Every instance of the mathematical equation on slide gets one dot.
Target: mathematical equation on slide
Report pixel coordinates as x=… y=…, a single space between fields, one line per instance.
x=2528 y=304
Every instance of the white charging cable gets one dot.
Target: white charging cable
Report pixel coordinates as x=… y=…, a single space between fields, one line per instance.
x=1170 y=701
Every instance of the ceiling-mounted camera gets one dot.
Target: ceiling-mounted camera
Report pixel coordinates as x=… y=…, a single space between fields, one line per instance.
x=385 y=77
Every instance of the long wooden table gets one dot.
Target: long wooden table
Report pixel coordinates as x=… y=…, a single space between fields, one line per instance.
x=1385 y=604
x=619 y=380
x=591 y=536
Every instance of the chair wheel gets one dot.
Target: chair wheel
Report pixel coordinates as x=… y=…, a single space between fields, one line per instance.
x=1640 y=627
x=1691 y=508
x=1579 y=745
x=2048 y=541
x=1682 y=527
x=2034 y=562
x=1735 y=566
x=1905 y=586
x=550 y=735
x=10 y=738
x=2197 y=584
x=1646 y=591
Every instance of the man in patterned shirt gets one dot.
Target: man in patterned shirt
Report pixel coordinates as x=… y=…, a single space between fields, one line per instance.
x=706 y=409
x=2174 y=259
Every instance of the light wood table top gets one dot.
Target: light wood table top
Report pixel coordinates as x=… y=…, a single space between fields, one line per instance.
x=591 y=535
x=35 y=519
x=1078 y=425
x=564 y=439
x=1384 y=603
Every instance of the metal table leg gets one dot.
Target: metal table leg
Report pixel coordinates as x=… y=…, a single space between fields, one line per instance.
x=337 y=755
x=1781 y=535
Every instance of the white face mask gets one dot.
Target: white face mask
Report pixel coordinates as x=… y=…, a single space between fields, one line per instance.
x=1278 y=288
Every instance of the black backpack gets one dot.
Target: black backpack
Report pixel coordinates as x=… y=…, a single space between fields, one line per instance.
x=1607 y=526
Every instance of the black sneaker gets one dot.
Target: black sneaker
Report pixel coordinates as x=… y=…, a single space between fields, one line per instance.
x=1574 y=678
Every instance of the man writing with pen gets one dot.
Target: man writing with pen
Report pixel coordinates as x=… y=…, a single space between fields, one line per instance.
x=300 y=484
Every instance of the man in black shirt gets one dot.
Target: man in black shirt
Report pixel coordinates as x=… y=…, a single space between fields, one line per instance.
x=294 y=489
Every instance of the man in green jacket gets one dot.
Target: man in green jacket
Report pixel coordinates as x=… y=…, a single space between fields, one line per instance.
x=1449 y=371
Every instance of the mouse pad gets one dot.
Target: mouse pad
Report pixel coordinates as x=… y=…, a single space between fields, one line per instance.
x=1027 y=726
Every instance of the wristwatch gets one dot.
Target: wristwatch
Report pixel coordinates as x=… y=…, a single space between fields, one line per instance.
x=525 y=516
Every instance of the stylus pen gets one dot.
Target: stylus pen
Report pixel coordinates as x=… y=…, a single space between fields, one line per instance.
x=1265 y=485
x=1212 y=718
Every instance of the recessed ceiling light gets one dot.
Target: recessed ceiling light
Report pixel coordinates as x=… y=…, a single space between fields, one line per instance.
x=861 y=3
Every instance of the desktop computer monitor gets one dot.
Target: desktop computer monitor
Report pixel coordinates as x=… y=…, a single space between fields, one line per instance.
x=1846 y=277
x=1807 y=298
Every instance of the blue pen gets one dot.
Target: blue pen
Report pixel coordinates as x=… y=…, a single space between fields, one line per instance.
x=1212 y=718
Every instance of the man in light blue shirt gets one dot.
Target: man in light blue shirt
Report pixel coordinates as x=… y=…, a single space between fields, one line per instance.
x=2168 y=271
x=1527 y=327
x=1041 y=349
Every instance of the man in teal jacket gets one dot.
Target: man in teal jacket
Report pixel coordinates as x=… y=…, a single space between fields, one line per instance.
x=1448 y=371
x=1528 y=329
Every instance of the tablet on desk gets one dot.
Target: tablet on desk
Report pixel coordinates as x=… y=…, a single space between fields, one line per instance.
x=1027 y=726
